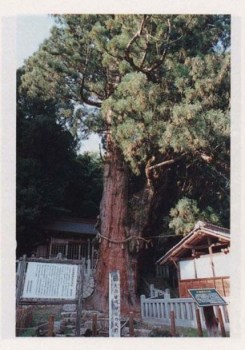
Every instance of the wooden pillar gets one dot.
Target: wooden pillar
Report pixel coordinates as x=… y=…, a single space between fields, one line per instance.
x=92 y=258
x=88 y=257
x=172 y=324
x=223 y=287
x=20 y=281
x=66 y=251
x=50 y=247
x=194 y=262
x=211 y=321
x=51 y=326
x=79 y=303
x=79 y=251
x=131 y=324
x=221 y=322
x=177 y=269
x=210 y=250
x=94 y=325
x=199 y=325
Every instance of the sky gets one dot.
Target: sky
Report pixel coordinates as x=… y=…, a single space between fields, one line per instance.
x=31 y=31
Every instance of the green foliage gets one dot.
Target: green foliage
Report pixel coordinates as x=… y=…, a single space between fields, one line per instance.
x=186 y=213
x=159 y=332
x=84 y=190
x=163 y=82
x=51 y=179
x=152 y=118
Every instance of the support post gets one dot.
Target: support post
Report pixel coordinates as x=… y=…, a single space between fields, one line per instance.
x=51 y=326
x=210 y=250
x=66 y=251
x=50 y=247
x=172 y=324
x=79 y=302
x=221 y=322
x=199 y=325
x=142 y=305
x=88 y=257
x=211 y=321
x=131 y=324
x=20 y=281
x=94 y=325
x=152 y=290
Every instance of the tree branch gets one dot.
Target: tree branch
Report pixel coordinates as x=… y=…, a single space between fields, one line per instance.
x=136 y=35
x=87 y=100
x=83 y=97
x=167 y=162
x=150 y=69
x=127 y=56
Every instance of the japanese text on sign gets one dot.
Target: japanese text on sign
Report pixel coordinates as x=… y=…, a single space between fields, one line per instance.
x=114 y=304
x=207 y=297
x=50 y=281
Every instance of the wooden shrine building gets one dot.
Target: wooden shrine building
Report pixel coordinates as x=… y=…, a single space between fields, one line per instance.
x=201 y=259
x=69 y=237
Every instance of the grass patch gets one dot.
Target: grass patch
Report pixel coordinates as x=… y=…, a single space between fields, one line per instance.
x=164 y=331
x=31 y=332
x=42 y=313
x=189 y=332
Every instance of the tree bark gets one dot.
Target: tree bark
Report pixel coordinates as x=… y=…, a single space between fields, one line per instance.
x=115 y=256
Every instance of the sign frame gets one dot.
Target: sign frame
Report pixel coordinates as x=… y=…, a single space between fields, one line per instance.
x=50 y=281
x=45 y=301
x=208 y=291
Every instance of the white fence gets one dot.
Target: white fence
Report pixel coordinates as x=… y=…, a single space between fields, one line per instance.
x=156 y=311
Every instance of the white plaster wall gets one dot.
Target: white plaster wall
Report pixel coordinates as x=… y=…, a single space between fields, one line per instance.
x=187 y=270
x=203 y=266
x=222 y=264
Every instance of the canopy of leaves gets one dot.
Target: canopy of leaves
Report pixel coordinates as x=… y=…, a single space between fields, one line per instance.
x=51 y=179
x=186 y=213
x=164 y=87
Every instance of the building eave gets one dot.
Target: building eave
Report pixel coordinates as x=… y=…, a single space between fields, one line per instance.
x=201 y=229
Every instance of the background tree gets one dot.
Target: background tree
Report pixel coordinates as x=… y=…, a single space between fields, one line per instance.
x=160 y=86
x=50 y=176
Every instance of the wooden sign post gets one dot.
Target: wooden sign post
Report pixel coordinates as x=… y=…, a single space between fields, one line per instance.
x=172 y=324
x=199 y=324
x=94 y=325
x=207 y=298
x=114 y=304
x=51 y=326
x=51 y=282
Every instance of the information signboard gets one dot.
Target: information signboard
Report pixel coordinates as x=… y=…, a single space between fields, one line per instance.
x=207 y=297
x=114 y=304
x=50 y=281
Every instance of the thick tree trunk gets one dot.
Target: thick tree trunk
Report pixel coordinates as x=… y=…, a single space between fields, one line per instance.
x=113 y=251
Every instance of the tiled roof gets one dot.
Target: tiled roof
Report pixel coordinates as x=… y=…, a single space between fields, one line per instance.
x=72 y=226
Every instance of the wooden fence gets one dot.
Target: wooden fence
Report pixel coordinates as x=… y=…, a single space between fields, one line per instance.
x=24 y=317
x=157 y=311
